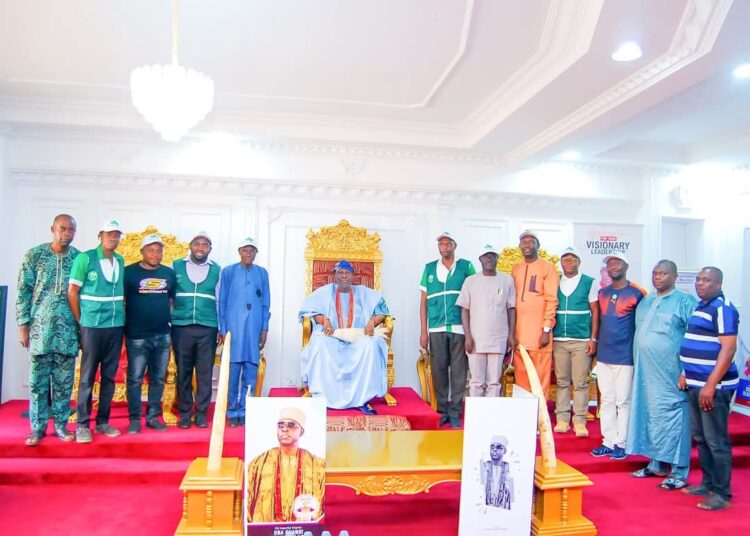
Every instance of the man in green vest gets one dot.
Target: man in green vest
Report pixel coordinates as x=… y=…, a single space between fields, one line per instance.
x=575 y=336
x=195 y=328
x=95 y=294
x=442 y=330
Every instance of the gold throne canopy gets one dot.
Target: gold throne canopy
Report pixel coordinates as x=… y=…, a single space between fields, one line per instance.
x=130 y=249
x=329 y=245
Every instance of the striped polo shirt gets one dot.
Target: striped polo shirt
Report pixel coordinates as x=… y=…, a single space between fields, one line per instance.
x=701 y=345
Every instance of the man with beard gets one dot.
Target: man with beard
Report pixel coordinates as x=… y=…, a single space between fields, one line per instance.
x=536 y=303
x=48 y=330
x=614 y=368
x=96 y=297
x=195 y=332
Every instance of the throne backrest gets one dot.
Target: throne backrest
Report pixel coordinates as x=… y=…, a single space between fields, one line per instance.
x=130 y=246
x=342 y=241
x=512 y=256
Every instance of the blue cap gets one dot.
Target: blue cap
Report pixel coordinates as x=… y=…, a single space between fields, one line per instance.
x=343 y=264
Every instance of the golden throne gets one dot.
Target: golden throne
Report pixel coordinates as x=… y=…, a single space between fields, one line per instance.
x=130 y=249
x=342 y=241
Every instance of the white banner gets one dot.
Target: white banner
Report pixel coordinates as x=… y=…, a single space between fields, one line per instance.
x=497 y=478
x=596 y=241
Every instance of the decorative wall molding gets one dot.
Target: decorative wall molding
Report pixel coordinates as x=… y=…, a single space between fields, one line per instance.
x=254 y=187
x=695 y=37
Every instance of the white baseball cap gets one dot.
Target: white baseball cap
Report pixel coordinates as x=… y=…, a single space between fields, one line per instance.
x=570 y=250
x=110 y=225
x=446 y=234
x=153 y=238
x=528 y=232
x=202 y=234
x=488 y=248
x=248 y=241
x=616 y=255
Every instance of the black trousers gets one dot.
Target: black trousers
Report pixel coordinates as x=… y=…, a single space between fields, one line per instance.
x=100 y=350
x=194 y=349
x=450 y=368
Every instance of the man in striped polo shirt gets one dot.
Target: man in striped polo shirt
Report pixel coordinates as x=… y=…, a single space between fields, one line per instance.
x=711 y=379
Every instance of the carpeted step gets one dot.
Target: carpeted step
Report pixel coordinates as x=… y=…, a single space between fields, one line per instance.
x=98 y=471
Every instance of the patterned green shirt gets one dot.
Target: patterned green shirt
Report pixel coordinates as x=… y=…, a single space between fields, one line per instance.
x=42 y=301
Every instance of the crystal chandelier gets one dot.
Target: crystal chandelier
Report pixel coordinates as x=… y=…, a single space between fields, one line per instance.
x=171 y=98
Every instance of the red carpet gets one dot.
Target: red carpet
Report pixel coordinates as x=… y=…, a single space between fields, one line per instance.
x=409 y=404
x=100 y=488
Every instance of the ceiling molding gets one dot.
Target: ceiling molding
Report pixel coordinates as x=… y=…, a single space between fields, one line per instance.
x=695 y=37
x=566 y=37
x=254 y=187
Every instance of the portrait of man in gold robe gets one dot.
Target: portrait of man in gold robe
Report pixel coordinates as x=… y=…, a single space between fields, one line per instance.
x=286 y=483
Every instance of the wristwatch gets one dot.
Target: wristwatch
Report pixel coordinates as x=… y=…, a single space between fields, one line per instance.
x=547 y=329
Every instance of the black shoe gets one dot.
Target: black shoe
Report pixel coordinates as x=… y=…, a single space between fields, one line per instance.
x=444 y=419
x=233 y=422
x=200 y=420
x=156 y=424
x=455 y=422
x=63 y=434
x=134 y=427
x=367 y=409
x=184 y=422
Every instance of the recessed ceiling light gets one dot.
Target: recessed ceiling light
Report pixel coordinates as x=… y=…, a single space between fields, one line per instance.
x=628 y=51
x=570 y=155
x=742 y=71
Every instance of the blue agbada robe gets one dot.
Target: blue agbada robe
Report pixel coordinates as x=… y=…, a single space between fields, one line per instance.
x=659 y=425
x=347 y=374
x=244 y=309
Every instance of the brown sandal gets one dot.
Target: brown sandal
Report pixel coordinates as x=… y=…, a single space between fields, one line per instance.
x=33 y=439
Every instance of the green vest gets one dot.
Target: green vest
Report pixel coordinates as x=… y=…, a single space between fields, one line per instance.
x=195 y=303
x=574 y=312
x=442 y=310
x=102 y=304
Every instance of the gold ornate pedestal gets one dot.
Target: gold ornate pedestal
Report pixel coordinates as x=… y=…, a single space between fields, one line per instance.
x=212 y=502
x=558 y=501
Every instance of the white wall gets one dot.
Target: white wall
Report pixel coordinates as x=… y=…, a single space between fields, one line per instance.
x=277 y=194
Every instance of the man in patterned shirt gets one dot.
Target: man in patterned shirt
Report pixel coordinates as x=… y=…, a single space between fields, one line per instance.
x=47 y=328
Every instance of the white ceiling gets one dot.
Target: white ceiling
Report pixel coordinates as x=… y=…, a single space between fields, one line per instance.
x=509 y=81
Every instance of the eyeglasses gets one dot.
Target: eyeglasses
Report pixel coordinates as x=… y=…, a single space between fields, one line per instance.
x=288 y=425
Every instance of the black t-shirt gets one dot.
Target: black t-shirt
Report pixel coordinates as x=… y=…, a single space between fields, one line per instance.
x=147 y=295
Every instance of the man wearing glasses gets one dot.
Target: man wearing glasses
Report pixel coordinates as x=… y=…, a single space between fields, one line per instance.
x=286 y=479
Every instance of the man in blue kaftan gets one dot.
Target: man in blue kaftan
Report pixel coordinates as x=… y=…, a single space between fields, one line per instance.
x=659 y=425
x=244 y=310
x=348 y=374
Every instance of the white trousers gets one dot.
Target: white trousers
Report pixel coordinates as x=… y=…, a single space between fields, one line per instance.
x=485 y=370
x=615 y=383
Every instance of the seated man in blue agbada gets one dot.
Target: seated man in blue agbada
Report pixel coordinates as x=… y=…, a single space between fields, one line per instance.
x=345 y=360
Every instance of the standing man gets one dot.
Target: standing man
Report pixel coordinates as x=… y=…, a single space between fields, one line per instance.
x=488 y=316
x=536 y=302
x=614 y=367
x=48 y=330
x=195 y=331
x=495 y=476
x=440 y=317
x=576 y=330
x=244 y=310
x=95 y=294
x=711 y=379
x=659 y=426
x=149 y=290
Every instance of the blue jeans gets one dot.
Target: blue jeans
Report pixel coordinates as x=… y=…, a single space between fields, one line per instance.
x=711 y=436
x=152 y=352
x=242 y=379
